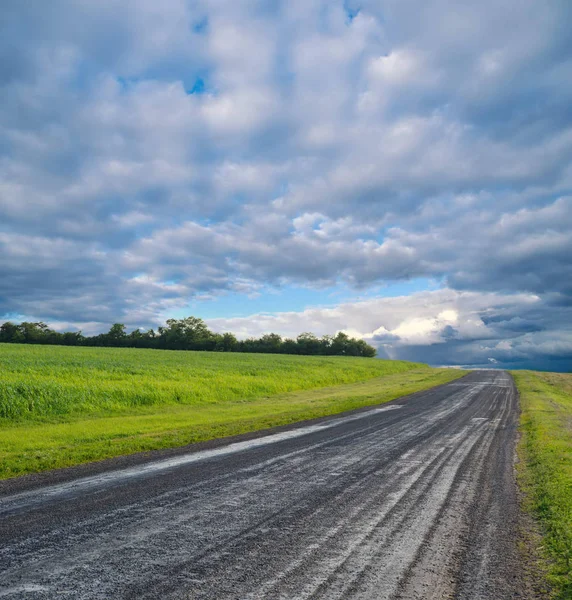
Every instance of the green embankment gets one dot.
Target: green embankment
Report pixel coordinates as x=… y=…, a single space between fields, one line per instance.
x=546 y=467
x=63 y=406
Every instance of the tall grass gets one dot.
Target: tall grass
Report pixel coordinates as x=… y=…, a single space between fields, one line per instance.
x=53 y=383
x=60 y=406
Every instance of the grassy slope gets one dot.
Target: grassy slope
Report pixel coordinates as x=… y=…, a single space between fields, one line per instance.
x=546 y=476
x=62 y=406
x=51 y=382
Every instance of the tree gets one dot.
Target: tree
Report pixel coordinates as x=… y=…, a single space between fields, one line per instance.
x=71 y=338
x=117 y=335
x=270 y=342
x=227 y=342
x=9 y=332
x=308 y=343
x=289 y=346
x=34 y=333
x=365 y=349
x=190 y=333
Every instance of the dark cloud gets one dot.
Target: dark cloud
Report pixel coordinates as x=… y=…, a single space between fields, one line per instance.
x=323 y=147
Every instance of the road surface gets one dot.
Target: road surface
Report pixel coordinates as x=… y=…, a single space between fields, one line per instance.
x=412 y=499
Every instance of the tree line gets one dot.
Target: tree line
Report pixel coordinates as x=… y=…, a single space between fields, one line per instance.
x=190 y=333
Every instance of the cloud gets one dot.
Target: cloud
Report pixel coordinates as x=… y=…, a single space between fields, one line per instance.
x=440 y=327
x=153 y=154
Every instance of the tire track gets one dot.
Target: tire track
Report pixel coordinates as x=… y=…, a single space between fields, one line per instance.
x=384 y=504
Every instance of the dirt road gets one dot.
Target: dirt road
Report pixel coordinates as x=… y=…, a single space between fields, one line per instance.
x=413 y=499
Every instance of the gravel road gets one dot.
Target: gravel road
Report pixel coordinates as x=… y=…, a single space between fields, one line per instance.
x=412 y=499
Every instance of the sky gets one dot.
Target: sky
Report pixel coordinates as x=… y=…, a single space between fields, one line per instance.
x=397 y=169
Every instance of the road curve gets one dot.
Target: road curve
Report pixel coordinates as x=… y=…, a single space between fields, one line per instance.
x=413 y=499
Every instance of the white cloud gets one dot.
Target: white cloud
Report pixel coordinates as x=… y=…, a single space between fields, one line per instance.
x=440 y=327
x=398 y=67
x=319 y=147
x=416 y=319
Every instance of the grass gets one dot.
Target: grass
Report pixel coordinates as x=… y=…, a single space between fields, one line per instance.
x=63 y=406
x=546 y=474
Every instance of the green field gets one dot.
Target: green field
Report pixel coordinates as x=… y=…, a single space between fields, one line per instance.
x=546 y=467
x=61 y=406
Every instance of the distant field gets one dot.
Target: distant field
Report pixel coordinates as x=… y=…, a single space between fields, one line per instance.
x=60 y=406
x=546 y=449
x=51 y=382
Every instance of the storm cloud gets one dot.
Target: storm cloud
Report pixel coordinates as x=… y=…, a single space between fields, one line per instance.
x=153 y=154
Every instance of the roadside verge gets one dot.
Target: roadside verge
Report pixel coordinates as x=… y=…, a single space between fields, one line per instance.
x=28 y=449
x=545 y=470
